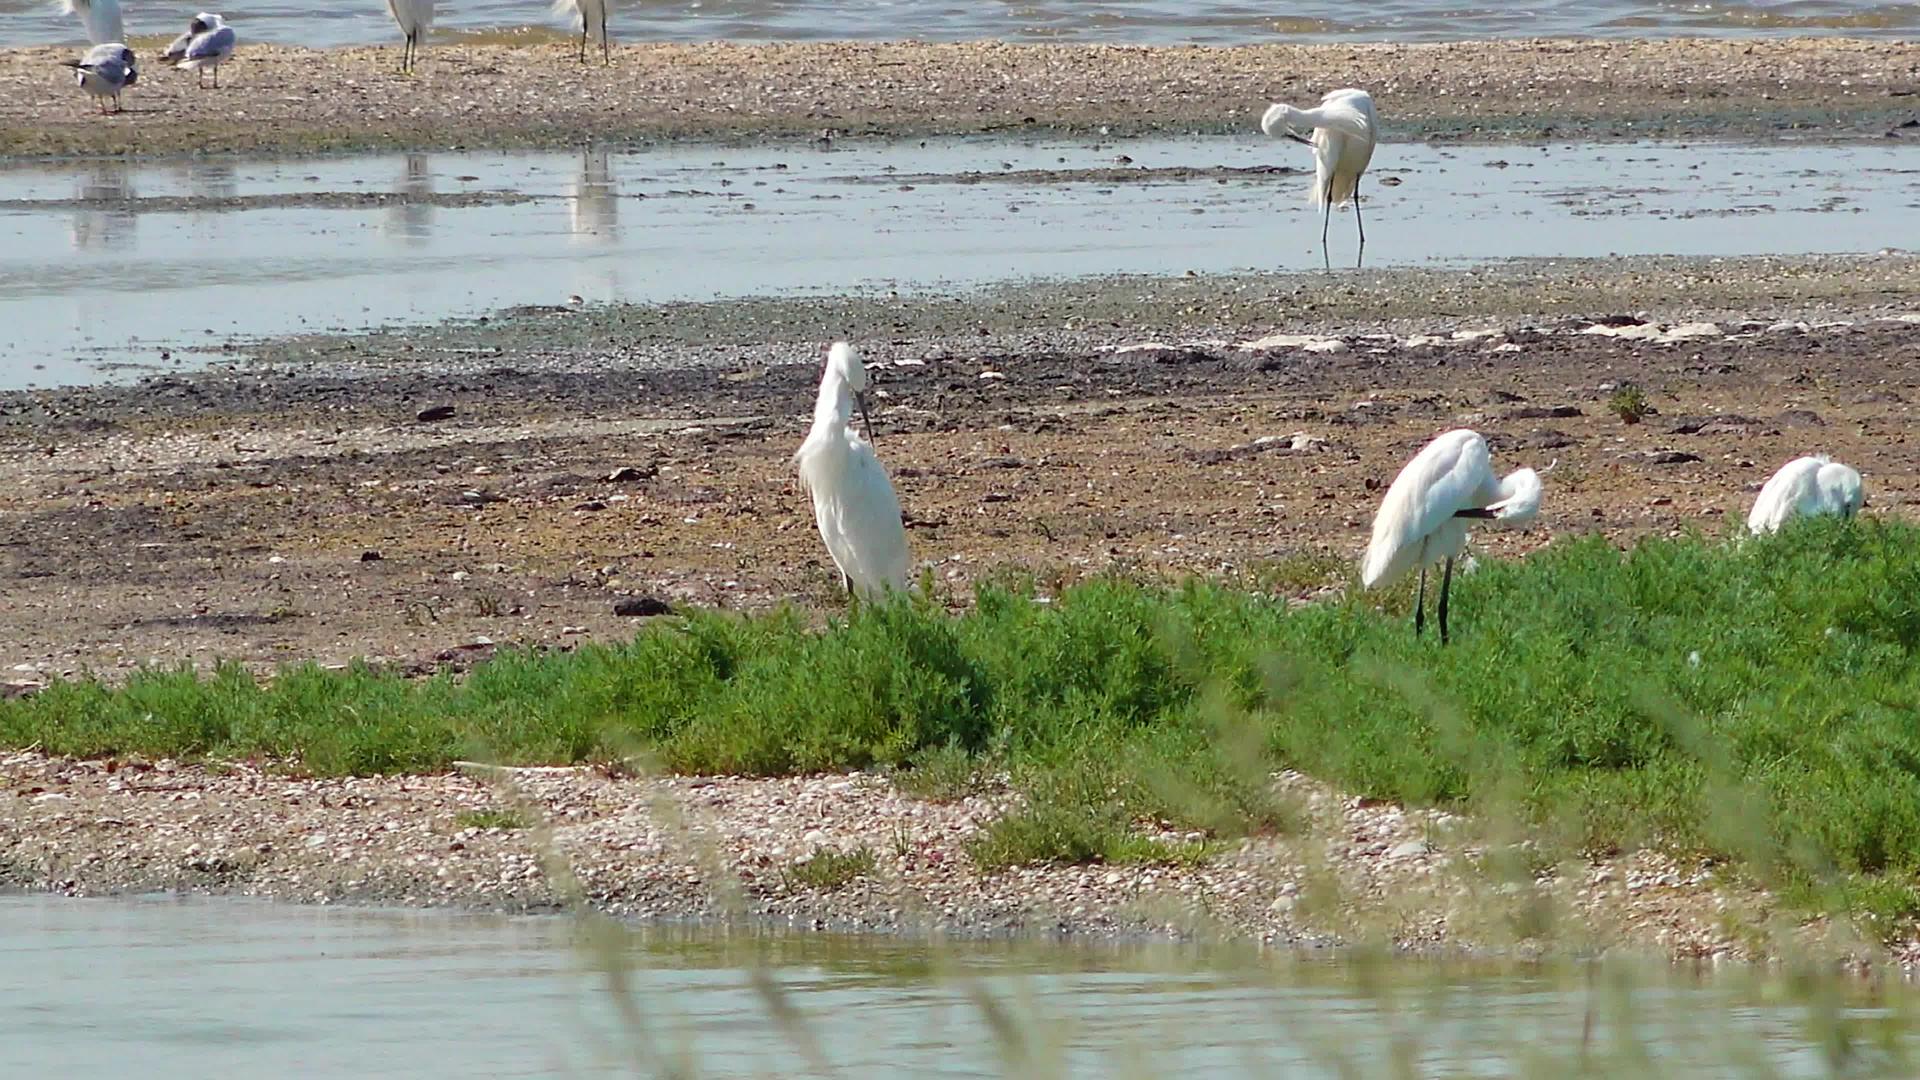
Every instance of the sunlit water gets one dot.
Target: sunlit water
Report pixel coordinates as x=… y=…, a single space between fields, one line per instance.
x=103 y=263
x=1132 y=21
x=167 y=989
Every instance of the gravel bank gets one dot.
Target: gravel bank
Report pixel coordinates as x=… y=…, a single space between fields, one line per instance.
x=492 y=96
x=727 y=848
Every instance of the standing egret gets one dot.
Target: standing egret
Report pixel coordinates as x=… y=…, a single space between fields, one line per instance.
x=1423 y=520
x=1344 y=129
x=414 y=18
x=591 y=15
x=207 y=44
x=853 y=501
x=101 y=18
x=104 y=72
x=1806 y=486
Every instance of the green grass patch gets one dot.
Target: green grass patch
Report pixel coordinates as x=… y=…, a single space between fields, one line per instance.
x=826 y=870
x=1757 y=701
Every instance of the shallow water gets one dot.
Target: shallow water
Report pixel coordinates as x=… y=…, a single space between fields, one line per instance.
x=109 y=268
x=1131 y=21
x=190 y=988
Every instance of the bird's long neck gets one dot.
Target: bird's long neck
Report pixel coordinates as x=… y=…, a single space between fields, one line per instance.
x=833 y=409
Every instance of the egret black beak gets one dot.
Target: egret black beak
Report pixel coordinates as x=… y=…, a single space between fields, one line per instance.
x=861 y=400
x=1299 y=138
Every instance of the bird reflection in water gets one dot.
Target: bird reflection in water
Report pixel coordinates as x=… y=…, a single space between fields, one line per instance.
x=410 y=219
x=104 y=218
x=594 y=210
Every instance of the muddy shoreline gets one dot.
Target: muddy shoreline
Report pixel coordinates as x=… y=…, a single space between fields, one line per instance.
x=483 y=96
x=314 y=505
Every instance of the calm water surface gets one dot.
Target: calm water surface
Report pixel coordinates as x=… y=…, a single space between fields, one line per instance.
x=106 y=265
x=179 y=989
x=1132 y=21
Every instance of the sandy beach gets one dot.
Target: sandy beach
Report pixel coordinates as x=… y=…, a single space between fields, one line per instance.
x=276 y=99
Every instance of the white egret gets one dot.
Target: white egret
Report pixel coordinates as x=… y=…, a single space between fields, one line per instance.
x=101 y=18
x=105 y=71
x=414 y=18
x=591 y=17
x=207 y=44
x=853 y=501
x=1424 y=518
x=1344 y=130
x=1806 y=486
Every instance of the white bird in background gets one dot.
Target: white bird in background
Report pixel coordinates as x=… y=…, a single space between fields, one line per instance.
x=853 y=501
x=207 y=44
x=1424 y=518
x=591 y=17
x=1806 y=486
x=414 y=18
x=101 y=19
x=105 y=71
x=1344 y=130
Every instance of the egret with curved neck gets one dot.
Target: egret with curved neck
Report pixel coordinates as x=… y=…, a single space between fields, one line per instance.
x=853 y=501
x=1424 y=518
x=1344 y=131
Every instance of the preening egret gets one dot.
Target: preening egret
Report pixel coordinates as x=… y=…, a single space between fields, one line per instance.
x=853 y=501
x=1344 y=130
x=207 y=44
x=104 y=72
x=591 y=17
x=101 y=18
x=1806 y=486
x=414 y=18
x=1424 y=518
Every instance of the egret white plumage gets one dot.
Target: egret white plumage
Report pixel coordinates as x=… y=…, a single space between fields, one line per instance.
x=591 y=17
x=1806 y=487
x=207 y=44
x=1344 y=130
x=414 y=18
x=853 y=501
x=1424 y=518
x=105 y=71
x=101 y=18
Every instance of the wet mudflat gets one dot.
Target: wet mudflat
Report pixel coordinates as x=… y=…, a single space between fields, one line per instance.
x=113 y=269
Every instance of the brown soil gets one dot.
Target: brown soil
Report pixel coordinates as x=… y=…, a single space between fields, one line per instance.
x=296 y=516
x=281 y=99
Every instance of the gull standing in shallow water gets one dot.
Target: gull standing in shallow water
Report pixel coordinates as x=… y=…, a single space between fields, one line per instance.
x=591 y=16
x=1806 y=487
x=105 y=71
x=1344 y=131
x=414 y=18
x=207 y=44
x=1423 y=520
x=853 y=501
x=101 y=18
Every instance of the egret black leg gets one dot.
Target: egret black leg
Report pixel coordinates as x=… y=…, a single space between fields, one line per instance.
x=1326 y=220
x=1446 y=586
x=1420 y=605
x=1361 y=225
x=583 y=40
x=606 y=46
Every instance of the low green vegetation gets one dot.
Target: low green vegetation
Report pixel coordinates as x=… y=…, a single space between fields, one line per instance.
x=1758 y=702
x=827 y=869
